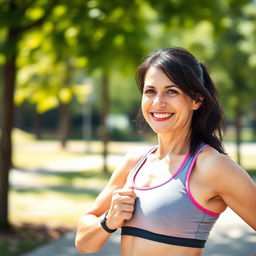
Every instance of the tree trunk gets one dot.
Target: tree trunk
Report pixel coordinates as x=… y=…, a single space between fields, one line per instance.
x=64 y=109
x=104 y=114
x=37 y=126
x=254 y=124
x=64 y=123
x=238 y=126
x=254 y=131
x=9 y=73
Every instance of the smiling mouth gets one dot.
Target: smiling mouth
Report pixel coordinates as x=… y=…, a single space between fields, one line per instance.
x=161 y=116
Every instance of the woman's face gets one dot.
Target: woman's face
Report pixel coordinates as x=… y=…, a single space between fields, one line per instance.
x=165 y=107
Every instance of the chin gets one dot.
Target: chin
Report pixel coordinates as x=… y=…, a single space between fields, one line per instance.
x=160 y=130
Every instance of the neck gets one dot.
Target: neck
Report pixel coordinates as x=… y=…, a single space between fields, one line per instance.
x=173 y=144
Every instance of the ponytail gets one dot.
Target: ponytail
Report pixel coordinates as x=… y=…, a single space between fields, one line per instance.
x=206 y=122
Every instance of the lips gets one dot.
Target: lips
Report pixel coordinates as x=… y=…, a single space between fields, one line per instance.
x=163 y=116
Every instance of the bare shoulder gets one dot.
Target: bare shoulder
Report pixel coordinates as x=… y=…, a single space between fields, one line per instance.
x=128 y=163
x=212 y=165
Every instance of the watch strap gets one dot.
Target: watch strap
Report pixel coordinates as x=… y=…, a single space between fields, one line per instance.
x=104 y=226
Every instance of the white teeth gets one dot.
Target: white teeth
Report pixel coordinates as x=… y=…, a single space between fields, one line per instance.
x=161 y=115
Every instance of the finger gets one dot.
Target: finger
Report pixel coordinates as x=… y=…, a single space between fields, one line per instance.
x=128 y=200
x=127 y=192
x=126 y=215
x=127 y=208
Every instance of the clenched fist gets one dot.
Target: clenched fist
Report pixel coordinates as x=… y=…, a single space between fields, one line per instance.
x=121 y=208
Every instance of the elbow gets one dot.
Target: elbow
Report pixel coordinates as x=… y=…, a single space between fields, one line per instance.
x=84 y=248
x=79 y=246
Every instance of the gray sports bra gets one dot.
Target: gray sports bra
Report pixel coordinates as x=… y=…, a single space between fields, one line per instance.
x=168 y=212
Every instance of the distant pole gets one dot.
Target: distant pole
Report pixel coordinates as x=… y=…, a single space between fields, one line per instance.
x=238 y=124
x=87 y=127
x=104 y=114
x=87 y=120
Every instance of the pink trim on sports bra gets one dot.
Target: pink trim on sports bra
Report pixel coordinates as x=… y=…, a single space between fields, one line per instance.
x=161 y=184
x=188 y=188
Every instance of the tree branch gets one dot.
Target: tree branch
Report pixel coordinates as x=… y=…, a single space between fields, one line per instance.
x=26 y=6
x=40 y=21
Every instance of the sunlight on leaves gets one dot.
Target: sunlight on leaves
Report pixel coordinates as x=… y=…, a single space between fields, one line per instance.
x=118 y=40
x=81 y=92
x=252 y=60
x=81 y=62
x=92 y=4
x=34 y=40
x=60 y=10
x=71 y=32
x=246 y=28
x=20 y=96
x=35 y=13
x=95 y=13
x=226 y=22
x=99 y=34
x=116 y=14
x=48 y=27
x=2 y=59
x=65 y=95
x=47 y=104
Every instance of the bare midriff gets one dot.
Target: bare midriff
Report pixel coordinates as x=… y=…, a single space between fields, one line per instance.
x=136 y=246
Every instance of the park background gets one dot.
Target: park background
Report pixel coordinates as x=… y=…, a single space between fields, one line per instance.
x=69 y=101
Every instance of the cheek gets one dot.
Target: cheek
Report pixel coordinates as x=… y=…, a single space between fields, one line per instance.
x=145 y=107
x=143 y=103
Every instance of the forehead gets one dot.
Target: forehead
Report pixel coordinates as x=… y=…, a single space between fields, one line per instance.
x=155 y=76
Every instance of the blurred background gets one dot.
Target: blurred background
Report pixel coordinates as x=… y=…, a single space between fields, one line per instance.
x=69 y=100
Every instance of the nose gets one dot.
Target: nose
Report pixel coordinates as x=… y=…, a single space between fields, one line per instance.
x=159 y=100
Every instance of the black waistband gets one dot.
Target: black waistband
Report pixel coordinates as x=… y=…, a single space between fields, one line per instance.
x=132 y=231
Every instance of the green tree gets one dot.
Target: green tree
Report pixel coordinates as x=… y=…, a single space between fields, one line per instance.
x=235 y=56
x=114 y=41
x=16 y=18
x=47 y=65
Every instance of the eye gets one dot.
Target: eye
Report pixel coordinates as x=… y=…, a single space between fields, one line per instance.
x=149 y=91
x=172 y=91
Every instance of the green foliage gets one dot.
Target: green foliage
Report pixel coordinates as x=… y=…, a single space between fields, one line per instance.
x=234 y=58
x=74 y=39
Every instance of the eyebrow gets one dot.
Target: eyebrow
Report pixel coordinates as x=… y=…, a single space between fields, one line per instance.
x=166 y=87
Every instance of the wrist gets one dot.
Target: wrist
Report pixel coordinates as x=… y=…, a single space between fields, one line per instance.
x=103 y=223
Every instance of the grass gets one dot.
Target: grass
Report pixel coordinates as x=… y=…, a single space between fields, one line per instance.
x=54 y=201
x=63 y=197
x=62 y=208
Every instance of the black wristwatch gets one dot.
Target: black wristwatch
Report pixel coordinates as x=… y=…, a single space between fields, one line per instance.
x=103 y=224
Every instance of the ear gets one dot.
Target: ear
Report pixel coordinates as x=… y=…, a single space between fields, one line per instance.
x=197 y=102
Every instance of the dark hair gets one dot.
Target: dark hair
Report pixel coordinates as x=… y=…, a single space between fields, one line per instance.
x=192 y=77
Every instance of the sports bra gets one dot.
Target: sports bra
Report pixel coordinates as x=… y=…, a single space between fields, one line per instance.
x=168 y=213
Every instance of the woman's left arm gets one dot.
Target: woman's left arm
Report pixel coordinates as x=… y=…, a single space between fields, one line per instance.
x=235 y=187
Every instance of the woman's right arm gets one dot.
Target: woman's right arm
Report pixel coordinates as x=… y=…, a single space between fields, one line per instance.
x=119 y=202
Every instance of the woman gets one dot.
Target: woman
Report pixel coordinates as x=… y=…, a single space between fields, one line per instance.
x=167 y=199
